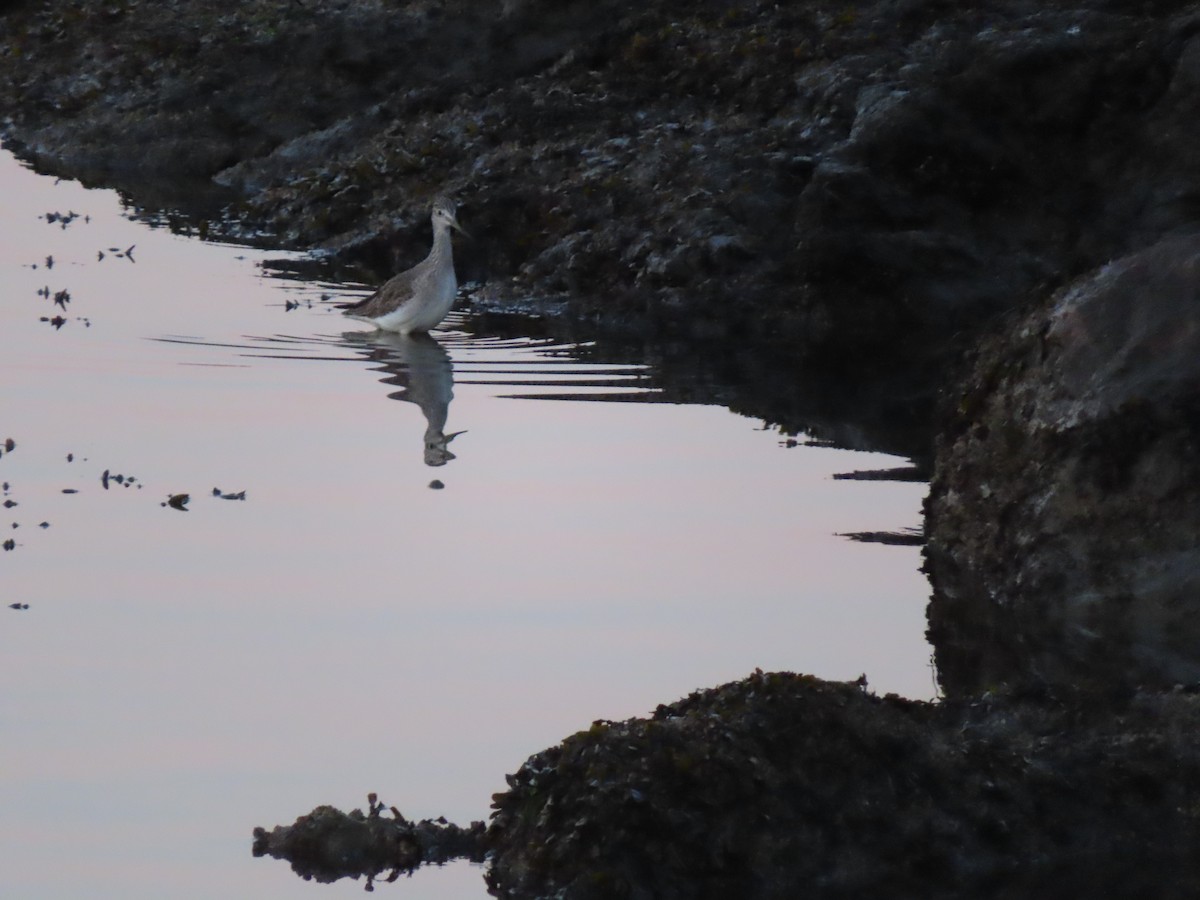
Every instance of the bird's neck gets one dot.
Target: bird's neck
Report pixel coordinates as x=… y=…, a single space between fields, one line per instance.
x=441 y=242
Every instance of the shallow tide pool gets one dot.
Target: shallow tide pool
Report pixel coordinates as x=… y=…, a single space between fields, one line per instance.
x=451 y=553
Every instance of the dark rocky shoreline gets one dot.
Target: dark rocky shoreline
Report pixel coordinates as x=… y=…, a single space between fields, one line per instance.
x=847 y=172
x=832 y=216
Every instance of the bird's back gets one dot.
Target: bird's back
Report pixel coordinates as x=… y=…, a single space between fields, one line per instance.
x=392 y=294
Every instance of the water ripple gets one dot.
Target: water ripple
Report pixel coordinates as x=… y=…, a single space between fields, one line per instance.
x=519 y=368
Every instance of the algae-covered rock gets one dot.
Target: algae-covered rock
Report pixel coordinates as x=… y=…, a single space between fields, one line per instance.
x=783 y=786
x=1064 y=515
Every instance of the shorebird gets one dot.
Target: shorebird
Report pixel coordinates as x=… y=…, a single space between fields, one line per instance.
x=418 y=298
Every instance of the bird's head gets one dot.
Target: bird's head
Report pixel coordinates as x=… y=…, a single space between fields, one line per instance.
x=445 y=215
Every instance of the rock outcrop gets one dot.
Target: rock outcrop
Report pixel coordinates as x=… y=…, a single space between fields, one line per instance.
x=1064 y=515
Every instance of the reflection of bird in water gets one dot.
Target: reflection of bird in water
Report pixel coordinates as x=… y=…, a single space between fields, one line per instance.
x=419 y=298
x=421 y=367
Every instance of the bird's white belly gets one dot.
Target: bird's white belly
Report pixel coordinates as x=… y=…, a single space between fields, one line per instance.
x=421 y=314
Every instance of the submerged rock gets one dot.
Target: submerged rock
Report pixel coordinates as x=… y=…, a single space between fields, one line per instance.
x=1064 y=514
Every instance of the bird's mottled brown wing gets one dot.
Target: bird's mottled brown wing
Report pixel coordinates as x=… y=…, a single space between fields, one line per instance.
x=395 y=292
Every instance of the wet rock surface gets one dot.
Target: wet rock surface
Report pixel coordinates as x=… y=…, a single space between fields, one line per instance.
x=1064 y=516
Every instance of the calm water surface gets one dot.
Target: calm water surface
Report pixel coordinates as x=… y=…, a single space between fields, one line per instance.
x=182 y=676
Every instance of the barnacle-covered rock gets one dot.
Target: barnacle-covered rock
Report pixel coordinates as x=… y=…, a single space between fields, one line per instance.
x=1064 y=516
x=782 y=786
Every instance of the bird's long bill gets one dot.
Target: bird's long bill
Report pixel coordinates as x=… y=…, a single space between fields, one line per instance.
x=454 y=224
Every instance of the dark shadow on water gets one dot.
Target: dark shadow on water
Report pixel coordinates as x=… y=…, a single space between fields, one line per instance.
x=902 y=473
x=879 y=405
x=908 y=537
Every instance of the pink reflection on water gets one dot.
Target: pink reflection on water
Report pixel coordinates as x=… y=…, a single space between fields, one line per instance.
x=183 y=676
